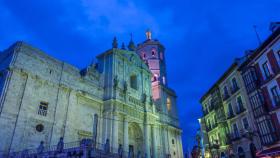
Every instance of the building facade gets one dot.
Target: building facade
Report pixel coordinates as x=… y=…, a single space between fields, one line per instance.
x=261 y=77
x=250 y=99
x=228 y=117
x=243 y=138
x=214 y=120
x=123 y=98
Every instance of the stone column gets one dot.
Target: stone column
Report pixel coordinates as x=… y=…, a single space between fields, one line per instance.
x=168 y=141
x=154 y=141
x=105 y=127
x=165 y=140
x=146 y=139
x=125 y=141
x=115 y=133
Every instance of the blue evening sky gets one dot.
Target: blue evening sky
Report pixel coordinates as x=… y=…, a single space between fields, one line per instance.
x=202 y=37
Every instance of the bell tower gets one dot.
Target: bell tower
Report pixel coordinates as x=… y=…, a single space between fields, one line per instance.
x=152 y=52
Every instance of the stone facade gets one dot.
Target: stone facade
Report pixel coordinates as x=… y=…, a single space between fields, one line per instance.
x=43 y=99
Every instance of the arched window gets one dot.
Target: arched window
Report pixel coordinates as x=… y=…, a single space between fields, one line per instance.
x=153 y=53
x=241 y=153
x=168 y=104
x=155 y=77
x=144 y=55
x=133 y=81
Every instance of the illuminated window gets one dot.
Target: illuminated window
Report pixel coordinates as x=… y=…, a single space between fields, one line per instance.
x=168 y=104
x=133 y=81
x=43 y=108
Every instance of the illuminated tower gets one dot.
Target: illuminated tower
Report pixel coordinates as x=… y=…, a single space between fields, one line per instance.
x=152 y=52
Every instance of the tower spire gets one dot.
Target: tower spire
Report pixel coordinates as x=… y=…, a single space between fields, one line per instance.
x=131 y=45
x=115 y=43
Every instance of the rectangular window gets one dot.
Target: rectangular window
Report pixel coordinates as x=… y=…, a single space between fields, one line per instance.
x=275 y=95
x=245 y=123
x=230 y=111
x=234 y=83
x=266 y=70
x=257 y=103
x=235 y=130
x=43 y=108
x=266 y=130
x=133 y=81
x=240 y=106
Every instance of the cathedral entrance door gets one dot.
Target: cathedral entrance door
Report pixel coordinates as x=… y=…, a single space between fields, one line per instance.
x=135 y=136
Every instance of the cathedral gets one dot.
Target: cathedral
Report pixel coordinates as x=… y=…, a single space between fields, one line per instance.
x=122 y=99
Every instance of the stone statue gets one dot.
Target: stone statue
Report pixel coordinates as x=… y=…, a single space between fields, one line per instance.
x=107 y=146
x=116 y=82
x=120 y=151
x=41 y=147
x=60 y=145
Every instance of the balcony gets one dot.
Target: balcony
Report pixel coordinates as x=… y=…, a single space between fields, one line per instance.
x=269 y=139
x=251 y=80
x=260 y=110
